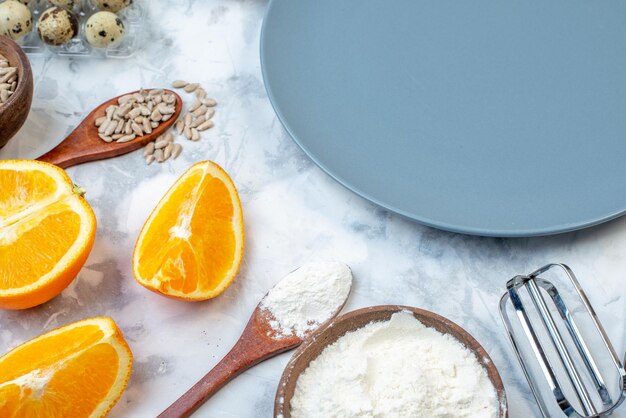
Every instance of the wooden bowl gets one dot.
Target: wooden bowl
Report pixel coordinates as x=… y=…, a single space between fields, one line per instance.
x=329 y=333
x=13 y=113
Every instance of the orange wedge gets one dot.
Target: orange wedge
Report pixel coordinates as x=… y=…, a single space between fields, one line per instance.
x=191 y=245
x=79 y=370
x=46 y=232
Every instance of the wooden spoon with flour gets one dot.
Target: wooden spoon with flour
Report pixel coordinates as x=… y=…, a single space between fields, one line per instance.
x=294 y=308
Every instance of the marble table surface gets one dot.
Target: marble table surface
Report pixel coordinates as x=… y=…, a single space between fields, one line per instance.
x=293 y=213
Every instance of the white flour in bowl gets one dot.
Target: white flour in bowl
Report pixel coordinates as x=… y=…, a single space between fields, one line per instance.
x=395 y=368
x=308 y=297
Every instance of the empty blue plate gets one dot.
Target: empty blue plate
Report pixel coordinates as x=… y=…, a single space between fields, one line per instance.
x=482 y=117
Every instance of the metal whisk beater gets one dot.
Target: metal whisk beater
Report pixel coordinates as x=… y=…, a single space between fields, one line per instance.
x=561 y=359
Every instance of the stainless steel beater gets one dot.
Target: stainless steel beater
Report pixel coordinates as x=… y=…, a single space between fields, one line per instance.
x=566 y=363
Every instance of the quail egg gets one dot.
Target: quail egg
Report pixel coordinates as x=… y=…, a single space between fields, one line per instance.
x=68 y=4
x=15 y=19
x=57 y=26
x=104 y=29
x=29 y=2
x=112 y=5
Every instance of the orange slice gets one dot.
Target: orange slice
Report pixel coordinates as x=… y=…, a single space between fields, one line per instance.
x=191 y=245
x=79 y=370
x=46 y=232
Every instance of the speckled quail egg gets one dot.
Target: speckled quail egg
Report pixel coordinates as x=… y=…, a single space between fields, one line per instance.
x=112 y=5
x=57 y=26
x=68 y=4
x=104 y=29
x=15 y=19
x=29 y=2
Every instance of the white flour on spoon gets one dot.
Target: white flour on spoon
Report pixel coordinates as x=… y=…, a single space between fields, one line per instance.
x=307 y=297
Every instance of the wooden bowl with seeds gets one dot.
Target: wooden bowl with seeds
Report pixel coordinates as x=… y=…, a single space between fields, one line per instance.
x=15 y=99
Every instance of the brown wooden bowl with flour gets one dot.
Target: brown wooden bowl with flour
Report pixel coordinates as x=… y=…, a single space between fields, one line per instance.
x=14 y=112
x=331 y=332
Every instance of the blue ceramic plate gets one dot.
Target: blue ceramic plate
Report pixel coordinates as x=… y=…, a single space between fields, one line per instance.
x=483 y=117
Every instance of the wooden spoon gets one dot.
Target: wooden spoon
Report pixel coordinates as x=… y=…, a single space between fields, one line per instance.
x=84 y=145
x=258 y=342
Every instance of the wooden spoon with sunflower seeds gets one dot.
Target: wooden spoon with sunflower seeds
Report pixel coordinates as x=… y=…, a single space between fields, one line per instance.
x=86 y=142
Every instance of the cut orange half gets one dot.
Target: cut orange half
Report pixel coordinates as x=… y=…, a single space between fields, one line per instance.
x=191 y=246
x=46 y=232
x=79 y=370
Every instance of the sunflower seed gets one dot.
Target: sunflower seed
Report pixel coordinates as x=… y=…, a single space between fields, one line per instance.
x=100 y=120
x=161 y=143
x=144 y=110
x=126 y=138
x=6 y=69
x=164 y=109
x=4 y=96
x=195 y=136
x=149 y=159
x=157 y=92
x=119 y=127
x=180 y=125
x=7 y=78
x=187 y=132
x=200 y=93
x=209 y=113
x=154 y=124
x=197 y=122
x=167 y=152
x=157 y=99
x=147 y=126
x=139 y=97
x=168 y=98
x=190 y=88
x=104 y=126
x=148 y=149
x=110 y=112
x=158 y=155
x=209 y=102
x=166 y=118
x=111 y=126
x=117 y=136
x=195 y=105
x=127 y=128
x=123 y=110
x=156 y=115
x=206 y=125
x=188 y=119
x=169 y=137
x=134 y=113
x=125 y=99
x=179 y=84
x=136 y=129
x=176 y=150
x=200 y=111
x=105 y=138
